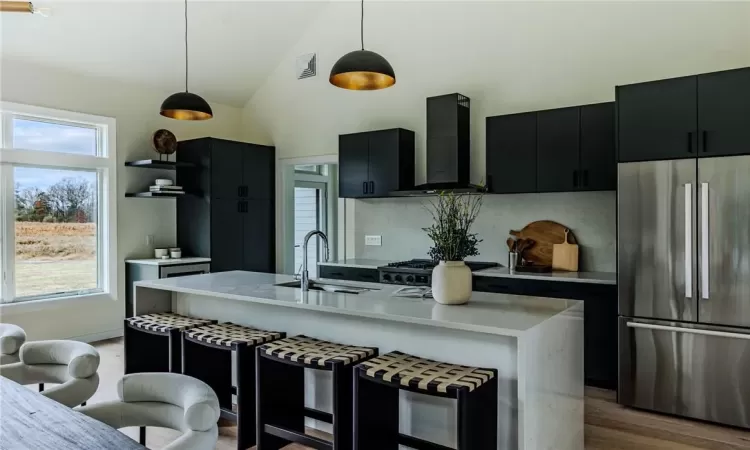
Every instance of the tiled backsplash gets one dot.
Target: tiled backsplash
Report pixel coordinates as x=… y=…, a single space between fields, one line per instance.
x=590 y=215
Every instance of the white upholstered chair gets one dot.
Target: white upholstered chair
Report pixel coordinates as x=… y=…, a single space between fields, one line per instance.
x=70 y=365
x=167 y=400
x=12 y=338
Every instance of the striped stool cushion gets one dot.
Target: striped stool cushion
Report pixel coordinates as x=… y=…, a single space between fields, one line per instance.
x=166 y=322
x=228 y=334
x=316 y=353
x=423 y=374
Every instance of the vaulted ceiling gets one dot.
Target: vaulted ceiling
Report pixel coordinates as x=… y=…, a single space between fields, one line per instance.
x=234 y=45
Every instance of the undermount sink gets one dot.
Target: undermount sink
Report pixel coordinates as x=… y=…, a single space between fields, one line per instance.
x=327 y=287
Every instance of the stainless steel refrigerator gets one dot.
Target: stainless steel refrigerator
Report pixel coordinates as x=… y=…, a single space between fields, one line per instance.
x=684 y=287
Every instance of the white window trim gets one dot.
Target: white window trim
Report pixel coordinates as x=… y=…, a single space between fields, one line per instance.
x=106 y=167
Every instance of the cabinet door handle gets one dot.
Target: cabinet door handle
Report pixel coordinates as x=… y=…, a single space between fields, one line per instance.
x=575 y=178
x=705 y=141
x=364 y=187
x=239 y=191
x=690 y=142
x=372 y=187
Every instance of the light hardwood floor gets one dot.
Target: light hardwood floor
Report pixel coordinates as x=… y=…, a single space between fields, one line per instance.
x=609 y=426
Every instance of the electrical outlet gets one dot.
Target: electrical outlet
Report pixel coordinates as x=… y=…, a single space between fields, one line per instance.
x=376 y=241
x=150 y=240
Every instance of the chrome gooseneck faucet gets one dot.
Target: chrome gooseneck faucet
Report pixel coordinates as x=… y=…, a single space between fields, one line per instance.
x=305 y=276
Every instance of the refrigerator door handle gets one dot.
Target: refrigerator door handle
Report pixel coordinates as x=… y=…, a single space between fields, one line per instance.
x=651 y=326
x=689 y=240
x=704 y=242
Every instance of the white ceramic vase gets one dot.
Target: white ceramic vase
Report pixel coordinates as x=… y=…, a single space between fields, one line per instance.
x=451 y=283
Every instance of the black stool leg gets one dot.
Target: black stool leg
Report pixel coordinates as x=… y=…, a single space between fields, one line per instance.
x=142 y=437
x=477 y=417
x=175 y=351
x=280 y=394
x=342 y=407
x=375 y=415
x=41 y=387
x=245 y=397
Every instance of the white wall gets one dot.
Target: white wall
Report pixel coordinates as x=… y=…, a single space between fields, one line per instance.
x=590 y=215
x=506 y=56
x=136 y=109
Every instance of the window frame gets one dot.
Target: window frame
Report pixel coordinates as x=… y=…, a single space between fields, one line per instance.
x=104 y=163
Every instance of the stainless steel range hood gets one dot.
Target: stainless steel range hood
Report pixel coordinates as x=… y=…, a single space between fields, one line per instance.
x=448 y=148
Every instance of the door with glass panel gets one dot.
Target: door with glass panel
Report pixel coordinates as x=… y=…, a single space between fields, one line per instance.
x=309 y=214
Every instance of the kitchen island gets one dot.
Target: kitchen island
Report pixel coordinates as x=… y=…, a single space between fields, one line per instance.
x=536 y=344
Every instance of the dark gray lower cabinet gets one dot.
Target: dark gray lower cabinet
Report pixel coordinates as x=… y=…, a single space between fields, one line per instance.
x=599 y=319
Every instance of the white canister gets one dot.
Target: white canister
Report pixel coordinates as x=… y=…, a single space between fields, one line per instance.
x=160 y=253
x=175 y=253
x=451 y=283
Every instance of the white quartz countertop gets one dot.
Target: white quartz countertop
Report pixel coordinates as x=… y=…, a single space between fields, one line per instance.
x=168 y=262
x=500 y=314
x=360 y=263
x=577 y=277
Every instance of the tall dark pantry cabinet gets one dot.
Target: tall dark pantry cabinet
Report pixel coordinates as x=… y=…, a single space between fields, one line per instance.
x=231 y=217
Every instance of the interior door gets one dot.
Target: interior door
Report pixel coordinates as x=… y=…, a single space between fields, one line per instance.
x=558 y=138
x=354 y=165
x=690 y=370
x=226 y=168
x=259 y=242
x=723 y=111
x=657 y=120
x=598 y=155
x=383 y=162
x=259 y=168
x=226 y=235
x=724 y=240
x=511 y=153
x=656 y=274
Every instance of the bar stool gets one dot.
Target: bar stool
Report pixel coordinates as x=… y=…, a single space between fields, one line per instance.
x=207 y=355
x=153 y=344
x=376 y=386
x=280 y=391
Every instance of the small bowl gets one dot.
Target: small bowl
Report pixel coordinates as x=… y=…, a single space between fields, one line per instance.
x=161 y=253
x=176 y=254
x=163 y=182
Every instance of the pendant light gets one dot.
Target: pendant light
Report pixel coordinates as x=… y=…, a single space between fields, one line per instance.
x=185 y=105
x=362 y=70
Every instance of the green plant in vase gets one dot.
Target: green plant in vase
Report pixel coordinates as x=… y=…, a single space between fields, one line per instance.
x=453 y=216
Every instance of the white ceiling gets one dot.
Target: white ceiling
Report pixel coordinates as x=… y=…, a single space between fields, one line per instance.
x=234 y=45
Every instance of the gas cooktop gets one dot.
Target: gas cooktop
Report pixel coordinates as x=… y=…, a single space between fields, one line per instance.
x=418 y=272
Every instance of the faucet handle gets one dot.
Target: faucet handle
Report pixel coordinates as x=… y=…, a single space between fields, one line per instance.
x=298 y=273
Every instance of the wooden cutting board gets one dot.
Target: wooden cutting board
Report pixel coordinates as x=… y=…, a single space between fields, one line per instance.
x=546 y=233
x=565 y=255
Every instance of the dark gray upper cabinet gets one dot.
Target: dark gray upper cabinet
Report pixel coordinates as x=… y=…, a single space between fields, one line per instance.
x=511 y=153
x=598 y=170
x=558 y=133
x=687 y=117
x=558 y=150
x=232 y=220
x=657 y=120
x=724 y=113
x=354 y=165
x=375 y=163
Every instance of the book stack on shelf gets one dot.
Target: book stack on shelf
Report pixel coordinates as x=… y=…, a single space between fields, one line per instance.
x=172 y=190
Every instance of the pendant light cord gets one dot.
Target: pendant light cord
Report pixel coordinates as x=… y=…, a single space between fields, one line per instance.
x=186 y=48
x=361 y=25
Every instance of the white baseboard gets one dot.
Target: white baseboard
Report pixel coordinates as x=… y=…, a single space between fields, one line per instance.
x=95 y=337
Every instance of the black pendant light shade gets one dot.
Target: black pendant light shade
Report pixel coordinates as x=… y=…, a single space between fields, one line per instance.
x=186 y=106
x=362 y=70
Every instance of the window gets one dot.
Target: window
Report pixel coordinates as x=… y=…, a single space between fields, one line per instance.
x=57 y=193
